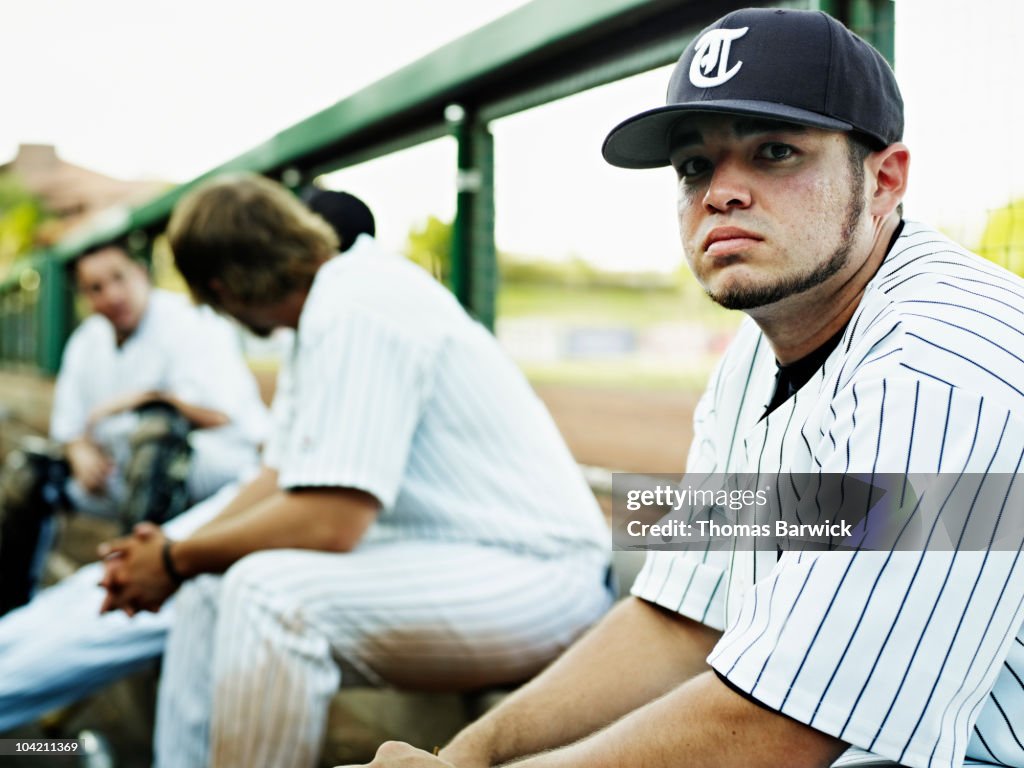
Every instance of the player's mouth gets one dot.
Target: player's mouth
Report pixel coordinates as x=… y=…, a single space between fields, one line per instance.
x=119 y=315
x=725 y=241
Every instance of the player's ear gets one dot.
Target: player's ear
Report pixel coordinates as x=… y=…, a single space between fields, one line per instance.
x=889 y=168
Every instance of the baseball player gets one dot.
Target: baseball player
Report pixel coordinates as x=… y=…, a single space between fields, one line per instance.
x=42 y=669
x=873 y=344
x=140 y=344
x=419 y=521
x=142 y=418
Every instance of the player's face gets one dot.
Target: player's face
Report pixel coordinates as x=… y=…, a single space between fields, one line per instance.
x=260 y=321
x=767 y=210
x=263 y=319
x=115 y=287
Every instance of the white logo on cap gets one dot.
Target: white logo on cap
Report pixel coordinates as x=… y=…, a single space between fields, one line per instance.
x=711 y=55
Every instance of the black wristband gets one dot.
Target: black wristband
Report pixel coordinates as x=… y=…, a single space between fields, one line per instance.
x=172 y=572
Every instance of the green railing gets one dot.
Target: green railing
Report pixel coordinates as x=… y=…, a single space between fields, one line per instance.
x=542 y=52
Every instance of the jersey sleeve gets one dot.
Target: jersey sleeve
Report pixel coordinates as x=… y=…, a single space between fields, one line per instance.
x=692 y=584
x=359 y=389
x=893 y=652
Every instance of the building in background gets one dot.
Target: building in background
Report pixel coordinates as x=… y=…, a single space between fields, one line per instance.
x=65 y=196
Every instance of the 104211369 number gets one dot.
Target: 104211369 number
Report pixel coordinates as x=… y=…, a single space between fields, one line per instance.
x=24 y=746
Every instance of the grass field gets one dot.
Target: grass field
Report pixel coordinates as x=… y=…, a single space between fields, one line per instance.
x=599 y=374
x=628 y=307
x=633 y=308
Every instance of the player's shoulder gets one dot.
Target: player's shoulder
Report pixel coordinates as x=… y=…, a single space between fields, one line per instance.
x=937 y=312
x=928 y=278
x=926 y=271
x=92 y=333
x=368 y=284
x=167 y=304
x=170 y=315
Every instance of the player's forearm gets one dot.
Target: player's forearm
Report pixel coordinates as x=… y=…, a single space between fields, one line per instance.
x=329 y=520
x=262 y=486
x=635 y=654
x=701 y=723
x=77 y=445
x=198 y=416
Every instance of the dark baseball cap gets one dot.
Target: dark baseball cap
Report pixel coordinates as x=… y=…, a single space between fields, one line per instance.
x=348 y=216
x=800 y=67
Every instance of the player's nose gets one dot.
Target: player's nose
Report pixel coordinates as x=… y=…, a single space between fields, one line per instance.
x=728 y=187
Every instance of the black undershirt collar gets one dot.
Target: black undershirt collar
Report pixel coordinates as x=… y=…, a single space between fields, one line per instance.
x=790 y=378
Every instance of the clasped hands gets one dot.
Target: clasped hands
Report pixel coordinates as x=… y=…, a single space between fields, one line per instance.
x=133 y=571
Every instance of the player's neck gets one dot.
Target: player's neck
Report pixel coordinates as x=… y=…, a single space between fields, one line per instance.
x=121 y=335
x=801 y=324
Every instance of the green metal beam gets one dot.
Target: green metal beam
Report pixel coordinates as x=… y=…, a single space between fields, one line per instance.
x=474 y=272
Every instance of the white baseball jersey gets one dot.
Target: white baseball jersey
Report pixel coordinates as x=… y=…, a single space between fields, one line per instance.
x=487 y=558
x=912 y=656
x=178 y=348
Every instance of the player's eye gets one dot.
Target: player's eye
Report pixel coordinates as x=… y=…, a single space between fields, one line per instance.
x=692 y=167
x=775 y=151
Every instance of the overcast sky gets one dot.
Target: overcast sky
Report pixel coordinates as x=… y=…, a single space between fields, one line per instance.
x=169 y=89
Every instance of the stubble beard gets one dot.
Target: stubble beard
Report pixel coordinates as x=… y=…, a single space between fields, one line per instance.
x=753 y=296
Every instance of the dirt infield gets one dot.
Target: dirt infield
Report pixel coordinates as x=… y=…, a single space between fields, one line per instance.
x=621 y=429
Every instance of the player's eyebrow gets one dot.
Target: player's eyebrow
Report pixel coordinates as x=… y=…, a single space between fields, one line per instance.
x=741 y=128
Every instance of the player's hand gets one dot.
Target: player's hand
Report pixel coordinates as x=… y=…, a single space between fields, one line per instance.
x=396 y=754
x=90 y=466
x=134 y=574
x=464 y=757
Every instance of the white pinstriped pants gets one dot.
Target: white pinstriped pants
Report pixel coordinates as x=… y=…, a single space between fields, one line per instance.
x=252 y=661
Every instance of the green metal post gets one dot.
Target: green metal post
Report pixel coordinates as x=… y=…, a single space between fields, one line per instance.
x=53 y=318
x=474 y=273
x=6 y=328
x=874 y=20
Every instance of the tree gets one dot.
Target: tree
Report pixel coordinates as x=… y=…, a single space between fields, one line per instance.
x=1003 y=239
x=20 y=216
x=430 y=246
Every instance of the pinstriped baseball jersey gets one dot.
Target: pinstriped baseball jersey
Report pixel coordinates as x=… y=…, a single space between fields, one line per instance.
x=912 y=656
x=486 y=560
x=406 y=398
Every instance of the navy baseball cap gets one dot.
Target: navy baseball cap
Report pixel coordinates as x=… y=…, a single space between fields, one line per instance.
x=800 y=67
x=348 y=216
